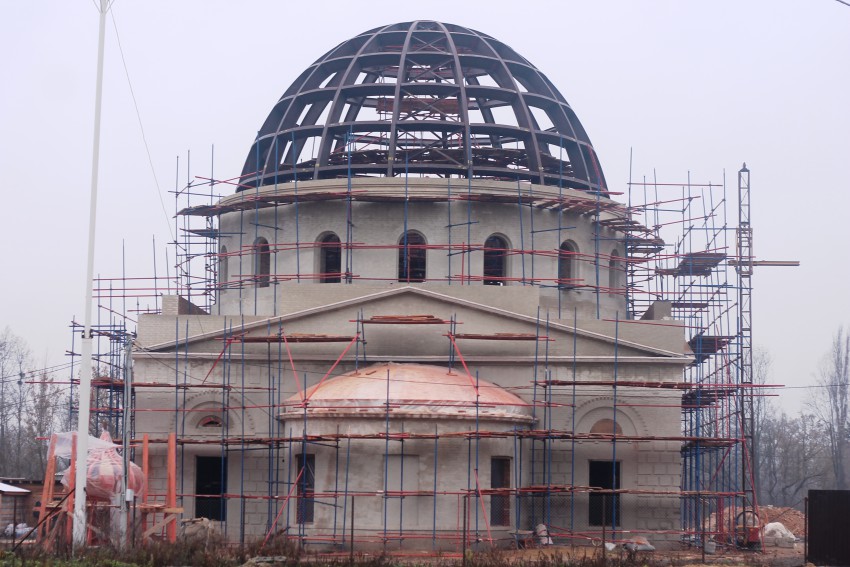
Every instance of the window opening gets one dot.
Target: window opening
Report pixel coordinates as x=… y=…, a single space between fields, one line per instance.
x=262 y=262
x=614 y=269
x=306 y=489
x=212 y=421
x=411 y=257
x=567 y=271
x=223 y=276
x=604 y=509
x=210 y=485
x=495 y=260
x=330 y=266
x=500 y=504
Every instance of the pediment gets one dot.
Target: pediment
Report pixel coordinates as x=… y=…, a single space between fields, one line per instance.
x=479 y=329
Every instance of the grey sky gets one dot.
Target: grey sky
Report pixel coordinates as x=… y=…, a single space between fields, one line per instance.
x=690 y=86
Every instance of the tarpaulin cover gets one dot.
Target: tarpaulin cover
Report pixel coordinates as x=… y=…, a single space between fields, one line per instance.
x=104 y=467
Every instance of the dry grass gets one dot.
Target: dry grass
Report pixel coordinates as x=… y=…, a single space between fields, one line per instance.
x=215 y=553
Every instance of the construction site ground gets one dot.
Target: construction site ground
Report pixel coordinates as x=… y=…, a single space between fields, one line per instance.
x=772 y=556
x=586 y=555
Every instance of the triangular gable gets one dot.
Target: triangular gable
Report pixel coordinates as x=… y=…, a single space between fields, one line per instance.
x=262 y=325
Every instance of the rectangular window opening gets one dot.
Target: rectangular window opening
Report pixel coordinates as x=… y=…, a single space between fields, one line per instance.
x=306 y=488
x=500 y=504
x=604 y=509
x=210 y=485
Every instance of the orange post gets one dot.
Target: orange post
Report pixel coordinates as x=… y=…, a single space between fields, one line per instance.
x=69 y=504
x=171 y=492
x=47 y=488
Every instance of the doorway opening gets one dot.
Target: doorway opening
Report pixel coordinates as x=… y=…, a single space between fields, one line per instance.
x=604 y=509
x=211 y=479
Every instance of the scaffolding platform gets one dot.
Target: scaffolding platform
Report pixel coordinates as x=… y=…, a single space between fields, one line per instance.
x=695 y=264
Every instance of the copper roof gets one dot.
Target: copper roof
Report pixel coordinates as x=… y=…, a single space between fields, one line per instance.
x=410 y=390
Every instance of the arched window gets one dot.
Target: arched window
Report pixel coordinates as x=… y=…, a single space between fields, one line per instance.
x=615 y=269
x=567 y=265
x=262 y=262
x=411 y=257
x=211 y=421
x=608 y=426
x=223 y=275
x=330 y=259
x=495 y=260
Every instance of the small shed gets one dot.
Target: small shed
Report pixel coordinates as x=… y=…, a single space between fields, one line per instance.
x=12 y=505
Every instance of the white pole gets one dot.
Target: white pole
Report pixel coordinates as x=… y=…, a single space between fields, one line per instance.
x=126 y=492
x=86 y=360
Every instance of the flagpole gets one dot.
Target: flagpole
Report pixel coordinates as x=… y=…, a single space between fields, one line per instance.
x=86 y=359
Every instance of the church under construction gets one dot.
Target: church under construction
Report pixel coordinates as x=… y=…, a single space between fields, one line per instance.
x=420 y=319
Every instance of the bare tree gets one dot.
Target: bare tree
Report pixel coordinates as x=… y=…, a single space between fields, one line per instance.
x=793 y=459
x=14 y=357
x=762 y=409
x=46 y=404
x=30 y=410
x=831 y=404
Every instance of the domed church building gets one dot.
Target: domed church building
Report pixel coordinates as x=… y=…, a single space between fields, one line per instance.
x=423 y=334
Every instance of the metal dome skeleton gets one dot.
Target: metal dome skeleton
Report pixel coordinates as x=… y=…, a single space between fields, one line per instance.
x=427 y=98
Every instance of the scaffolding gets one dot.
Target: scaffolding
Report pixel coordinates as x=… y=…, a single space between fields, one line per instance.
x=683 y=265
x=701 y=279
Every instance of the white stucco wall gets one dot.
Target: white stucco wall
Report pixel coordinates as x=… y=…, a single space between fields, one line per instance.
x=183 y=346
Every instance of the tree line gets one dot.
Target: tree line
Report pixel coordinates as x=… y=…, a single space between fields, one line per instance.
x=808 y=450
x=31 y=408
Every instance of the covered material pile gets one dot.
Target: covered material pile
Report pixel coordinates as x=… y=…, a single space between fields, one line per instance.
x=792 y=519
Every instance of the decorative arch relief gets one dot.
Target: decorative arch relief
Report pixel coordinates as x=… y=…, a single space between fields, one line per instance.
x=600 y=413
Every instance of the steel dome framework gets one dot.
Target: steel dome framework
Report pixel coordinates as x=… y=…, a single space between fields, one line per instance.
x=426 y=98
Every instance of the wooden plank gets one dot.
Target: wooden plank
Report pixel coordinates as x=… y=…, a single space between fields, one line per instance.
x=169 y=522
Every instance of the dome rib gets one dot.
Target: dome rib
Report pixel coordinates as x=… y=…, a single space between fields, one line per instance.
x=426 y=98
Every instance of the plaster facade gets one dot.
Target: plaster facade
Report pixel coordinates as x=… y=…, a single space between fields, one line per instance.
x=188 y=347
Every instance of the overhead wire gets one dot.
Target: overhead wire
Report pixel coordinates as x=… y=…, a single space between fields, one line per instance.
x=141 y=125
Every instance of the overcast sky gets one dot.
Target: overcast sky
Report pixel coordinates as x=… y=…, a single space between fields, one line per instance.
x=695 y=87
